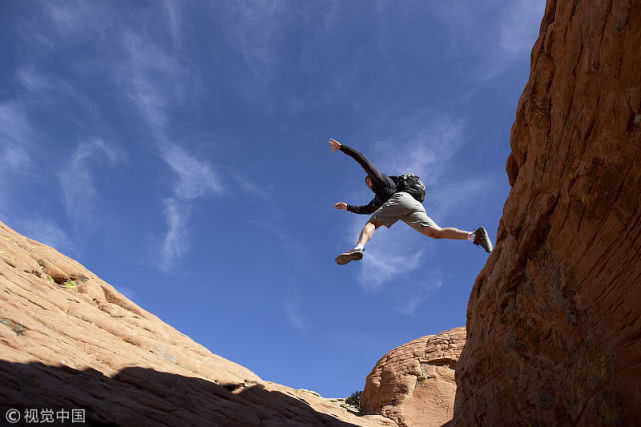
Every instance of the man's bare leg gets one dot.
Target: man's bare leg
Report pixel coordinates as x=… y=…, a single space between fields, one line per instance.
x=357 y=253
x=478 y=237
x=366 y=234
x=445 y=233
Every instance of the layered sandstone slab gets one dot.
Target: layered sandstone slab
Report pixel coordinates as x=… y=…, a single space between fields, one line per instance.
x=70 y=340
x=554 y=318
x=414 y=383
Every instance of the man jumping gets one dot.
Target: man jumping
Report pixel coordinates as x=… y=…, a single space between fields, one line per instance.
x=390 y=205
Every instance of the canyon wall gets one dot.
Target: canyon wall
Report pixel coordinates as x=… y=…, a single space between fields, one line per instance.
x=554 y=318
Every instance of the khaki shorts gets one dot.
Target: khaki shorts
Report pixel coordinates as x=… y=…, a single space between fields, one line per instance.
x=406 y=208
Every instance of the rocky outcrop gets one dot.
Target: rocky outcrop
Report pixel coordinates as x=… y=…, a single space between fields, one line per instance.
x=69 y=340
x=554 y=318
x=414 y=383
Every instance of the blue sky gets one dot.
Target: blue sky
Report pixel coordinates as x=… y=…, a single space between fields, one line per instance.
x=179 y=151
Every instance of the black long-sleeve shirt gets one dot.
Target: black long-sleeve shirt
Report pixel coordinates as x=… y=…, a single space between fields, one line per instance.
x=382 y=185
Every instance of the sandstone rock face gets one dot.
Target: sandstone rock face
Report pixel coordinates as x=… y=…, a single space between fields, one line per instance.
x=69 y=341
x=414 y=383
x=554 y=318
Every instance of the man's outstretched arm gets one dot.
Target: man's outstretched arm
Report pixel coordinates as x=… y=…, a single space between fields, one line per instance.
x=367 y=209
x=378 y=179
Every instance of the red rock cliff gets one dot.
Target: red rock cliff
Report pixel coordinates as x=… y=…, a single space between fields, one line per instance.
x=554 y=318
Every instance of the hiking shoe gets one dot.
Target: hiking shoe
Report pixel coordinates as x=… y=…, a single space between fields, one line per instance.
x=482 y=239
x=351 y=255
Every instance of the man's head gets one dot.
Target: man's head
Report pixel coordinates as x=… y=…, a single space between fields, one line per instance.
x=368 y=181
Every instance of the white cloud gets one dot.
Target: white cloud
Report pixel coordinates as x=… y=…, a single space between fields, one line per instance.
x=153 y=79
x=409 y=306
x=486 y=42
x=416 y=296
x=16 y=138
x=257 y=28
x=48 y=89
x=430 y=141
x=517 y=30
x=16 y=135
x=254 y=28
x=380 y=265
x=34 y=81
x=147 y=73
x=176 y=240
x=519 y=25
x=245 y=183
x=77 y=181
x=69 y=20
x=173 y=11
x=14 y=158
x=17 y=141
x=444 y=198
x=74 y=20
x=155 y=82
x=195 y=177
x=294 y=313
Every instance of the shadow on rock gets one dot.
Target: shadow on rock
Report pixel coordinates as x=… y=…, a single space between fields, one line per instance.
x=144 y=397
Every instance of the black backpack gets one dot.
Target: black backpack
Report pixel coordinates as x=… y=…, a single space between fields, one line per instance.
x=411 y=184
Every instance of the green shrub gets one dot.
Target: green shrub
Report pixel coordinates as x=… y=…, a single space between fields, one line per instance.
x=354 y=399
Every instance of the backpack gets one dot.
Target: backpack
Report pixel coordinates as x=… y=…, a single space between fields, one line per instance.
x=411 y=184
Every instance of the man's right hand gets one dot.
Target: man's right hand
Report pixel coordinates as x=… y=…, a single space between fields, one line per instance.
x=334 y=144
x=341 y=205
